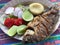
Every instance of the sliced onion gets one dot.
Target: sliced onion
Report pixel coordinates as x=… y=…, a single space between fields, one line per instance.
x=9 y=10
x=17 y=9
x=20 y=13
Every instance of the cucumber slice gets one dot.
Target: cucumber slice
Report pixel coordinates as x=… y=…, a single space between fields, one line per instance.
x=12 y=31
x=22 y=7
x=19 y=5
x=27 y=16
x=21 y=29
x=12 y=16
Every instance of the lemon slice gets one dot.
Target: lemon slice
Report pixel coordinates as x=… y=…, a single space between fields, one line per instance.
x=27 y=16
x=36 y=8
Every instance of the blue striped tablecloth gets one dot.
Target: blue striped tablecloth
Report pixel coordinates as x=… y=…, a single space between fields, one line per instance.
x=6 y=40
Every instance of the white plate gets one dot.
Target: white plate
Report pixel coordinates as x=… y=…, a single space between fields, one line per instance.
x=4 y=28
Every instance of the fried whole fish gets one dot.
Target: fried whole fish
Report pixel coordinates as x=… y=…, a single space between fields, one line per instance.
x=42 y=25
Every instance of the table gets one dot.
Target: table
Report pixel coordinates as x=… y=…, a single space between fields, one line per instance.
x=6 y=40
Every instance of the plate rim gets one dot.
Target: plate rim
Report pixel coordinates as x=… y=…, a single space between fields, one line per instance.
x=21 y=37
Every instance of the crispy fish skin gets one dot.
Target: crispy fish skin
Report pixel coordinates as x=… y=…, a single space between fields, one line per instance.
x=42 y=25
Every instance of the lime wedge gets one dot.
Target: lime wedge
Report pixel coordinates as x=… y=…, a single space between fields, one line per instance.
x=21 y=29
x=27 y=16
x=12 y=31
